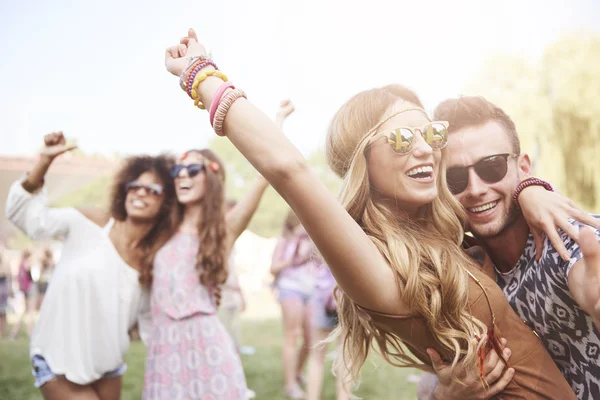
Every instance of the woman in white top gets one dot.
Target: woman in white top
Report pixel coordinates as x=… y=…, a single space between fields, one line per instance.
x=97 y=292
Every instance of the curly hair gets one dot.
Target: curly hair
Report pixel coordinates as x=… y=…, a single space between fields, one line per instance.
x=211 y=262
x=424 y=253
x=163 y=227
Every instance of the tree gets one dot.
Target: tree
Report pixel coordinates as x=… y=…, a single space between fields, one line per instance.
x=269 y=217
x=571 y=78
x=95 y=194
x=512 y=83
x=555 y=104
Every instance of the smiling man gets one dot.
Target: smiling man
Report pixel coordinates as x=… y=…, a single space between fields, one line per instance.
x=552 y=296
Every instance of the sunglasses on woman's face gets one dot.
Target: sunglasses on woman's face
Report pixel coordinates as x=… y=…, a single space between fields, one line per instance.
x=152 y=188
x=491 y=169
x=192 y=169
x=402 y=140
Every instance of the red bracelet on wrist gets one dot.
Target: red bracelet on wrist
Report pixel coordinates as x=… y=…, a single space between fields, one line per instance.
x=530 y=182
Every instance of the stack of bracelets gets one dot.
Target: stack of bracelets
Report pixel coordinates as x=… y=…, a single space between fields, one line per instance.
x=192 y=77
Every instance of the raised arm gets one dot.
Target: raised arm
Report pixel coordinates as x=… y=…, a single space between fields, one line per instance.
x=97 y=215
x=239 y=217
x=55 y=144
x=357 y=265
x=26 y=204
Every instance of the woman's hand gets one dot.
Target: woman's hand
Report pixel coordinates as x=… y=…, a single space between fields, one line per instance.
x=55 y=144
x=546 y=211
x=285 y=109
x=180 y=56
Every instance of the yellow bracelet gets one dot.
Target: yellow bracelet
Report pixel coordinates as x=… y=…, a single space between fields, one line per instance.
x=200 y=78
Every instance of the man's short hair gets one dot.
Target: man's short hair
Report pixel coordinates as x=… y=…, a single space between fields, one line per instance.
x=468 y=111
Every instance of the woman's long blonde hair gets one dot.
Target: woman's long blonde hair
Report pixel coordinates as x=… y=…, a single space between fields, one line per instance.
x=424 y=252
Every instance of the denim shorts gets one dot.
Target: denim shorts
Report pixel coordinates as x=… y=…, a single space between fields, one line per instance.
x=292 y=294
x=43 y=374
x=322 y=318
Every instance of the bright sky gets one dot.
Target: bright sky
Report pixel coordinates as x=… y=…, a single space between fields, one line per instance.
x=95 y=69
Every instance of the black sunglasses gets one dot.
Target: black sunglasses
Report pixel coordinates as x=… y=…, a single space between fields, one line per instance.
x=491 y=169
x=151 y=188
x=192 y=169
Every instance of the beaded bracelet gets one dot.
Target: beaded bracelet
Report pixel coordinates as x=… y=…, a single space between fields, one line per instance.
x=199 y=79
x=194 y=62
x=530 y=182
x=226 y=102
x=187 y=77
x=217 y=100
x=194 y=72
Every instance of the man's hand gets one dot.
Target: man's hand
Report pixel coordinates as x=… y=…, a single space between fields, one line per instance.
x=471 y=386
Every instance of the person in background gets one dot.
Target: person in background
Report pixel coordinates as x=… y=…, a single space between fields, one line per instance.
x=100 y=288
x=5 y=292
x=28 y=290
x=324 y=320
x=189 y=351
x=293 y=270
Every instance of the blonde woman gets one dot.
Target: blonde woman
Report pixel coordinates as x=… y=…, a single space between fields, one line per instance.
x=393 y=244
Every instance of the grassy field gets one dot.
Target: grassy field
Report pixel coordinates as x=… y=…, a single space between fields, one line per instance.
x=263 y=370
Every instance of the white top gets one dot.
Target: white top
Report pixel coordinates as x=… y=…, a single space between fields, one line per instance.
x=94 y=297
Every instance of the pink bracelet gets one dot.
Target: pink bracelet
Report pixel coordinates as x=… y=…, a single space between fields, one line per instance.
x=223 y=108
x=530 y=182
x=217 y=100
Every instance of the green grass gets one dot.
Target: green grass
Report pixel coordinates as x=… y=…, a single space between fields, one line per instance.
x=263 y=370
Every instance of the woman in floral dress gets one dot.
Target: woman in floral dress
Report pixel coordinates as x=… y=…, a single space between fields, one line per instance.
x=190 y=354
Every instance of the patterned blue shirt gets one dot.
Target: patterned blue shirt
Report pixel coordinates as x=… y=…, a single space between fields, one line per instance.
x=539 y=293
